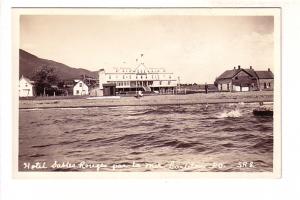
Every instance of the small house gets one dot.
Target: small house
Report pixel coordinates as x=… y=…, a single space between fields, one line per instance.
x=25 y=87
x=265 y=79
x=80 y=88
x=242 y=80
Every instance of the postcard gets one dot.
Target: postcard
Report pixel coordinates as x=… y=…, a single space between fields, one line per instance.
x=147 y=92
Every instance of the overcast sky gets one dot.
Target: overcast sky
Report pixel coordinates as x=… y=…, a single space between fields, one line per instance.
x=196 y=48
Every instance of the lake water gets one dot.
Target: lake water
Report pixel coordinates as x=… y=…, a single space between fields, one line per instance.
x=214 y=137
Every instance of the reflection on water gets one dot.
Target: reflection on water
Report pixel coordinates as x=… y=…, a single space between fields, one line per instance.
x=189 y=134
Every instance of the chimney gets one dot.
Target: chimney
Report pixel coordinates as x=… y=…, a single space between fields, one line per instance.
x=239 y=67
x=269 y=70
x=250 y=67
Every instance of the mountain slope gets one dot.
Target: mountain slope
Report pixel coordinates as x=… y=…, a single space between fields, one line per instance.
x=29 y=63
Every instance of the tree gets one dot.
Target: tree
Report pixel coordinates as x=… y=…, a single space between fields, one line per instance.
x=44 y=79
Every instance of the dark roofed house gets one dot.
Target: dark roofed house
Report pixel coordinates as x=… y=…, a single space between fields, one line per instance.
x=239 y=79
x=266 y=79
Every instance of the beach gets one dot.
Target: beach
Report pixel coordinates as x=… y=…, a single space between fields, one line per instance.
x=199 y=98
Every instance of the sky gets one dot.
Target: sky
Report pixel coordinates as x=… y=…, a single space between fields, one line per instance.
x=195 y=48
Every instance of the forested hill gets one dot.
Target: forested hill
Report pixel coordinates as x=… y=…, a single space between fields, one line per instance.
x=29 y=63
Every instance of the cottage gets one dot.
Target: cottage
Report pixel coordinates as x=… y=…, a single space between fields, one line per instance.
x=239 y=79
x=25 y=87
x=266 y=80
x=80 y=88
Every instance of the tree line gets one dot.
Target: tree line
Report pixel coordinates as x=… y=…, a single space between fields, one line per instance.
x=48 y=83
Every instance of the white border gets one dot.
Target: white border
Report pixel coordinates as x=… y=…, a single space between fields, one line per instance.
x=17 y=12
x=285 y=188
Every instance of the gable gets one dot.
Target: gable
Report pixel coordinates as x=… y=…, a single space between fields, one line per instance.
x=243 y=74
x=141 y=69
x=78 y=83
x=24 y=81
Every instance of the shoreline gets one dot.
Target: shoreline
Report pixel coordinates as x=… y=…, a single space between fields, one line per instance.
x=158 y=100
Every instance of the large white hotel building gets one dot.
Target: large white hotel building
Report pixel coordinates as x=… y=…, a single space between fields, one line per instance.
x=140 y=78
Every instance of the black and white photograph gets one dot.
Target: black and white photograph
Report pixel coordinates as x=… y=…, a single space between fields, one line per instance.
x=185 y=90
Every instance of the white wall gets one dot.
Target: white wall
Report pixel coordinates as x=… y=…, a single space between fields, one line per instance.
x=25 y=88
x=238 y=88
x=80 y=89
x=102 y=78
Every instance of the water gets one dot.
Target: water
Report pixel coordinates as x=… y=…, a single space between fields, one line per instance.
x=215 y=137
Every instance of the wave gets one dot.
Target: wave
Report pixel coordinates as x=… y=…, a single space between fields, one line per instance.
x=60 y=143
x=72 y=108
x=37 y=155
x=230 y=114
x=228 y=145
x=115 y=139
x=161 y=110
x=177 y=144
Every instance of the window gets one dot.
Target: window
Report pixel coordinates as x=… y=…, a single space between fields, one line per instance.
x=77 y=91
x=265 y=85
x=160 y=82
x=109 y=76
x=141 y=77
x=123 y=76
x=170 y=76
x=169 y=82
x=269 y=84
x=227 y=86
x=80 y=84
x=26 y=85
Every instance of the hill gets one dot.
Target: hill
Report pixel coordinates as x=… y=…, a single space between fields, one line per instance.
x=29 y=63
